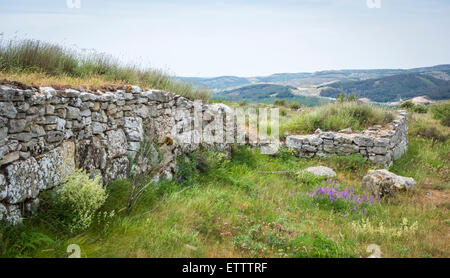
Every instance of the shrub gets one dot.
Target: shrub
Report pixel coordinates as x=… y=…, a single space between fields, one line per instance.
x=294 y=105
x=337 y=116
x=75 y=202
x=279 y=102
x=441 y=111
x=420 y=109
x=431 y=133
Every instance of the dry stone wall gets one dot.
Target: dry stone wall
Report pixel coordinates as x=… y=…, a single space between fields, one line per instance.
x=45 y=134
x=381 y=145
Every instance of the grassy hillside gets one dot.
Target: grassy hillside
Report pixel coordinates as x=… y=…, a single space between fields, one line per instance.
x=307 y=80
x=391 y=88
x=45 y=64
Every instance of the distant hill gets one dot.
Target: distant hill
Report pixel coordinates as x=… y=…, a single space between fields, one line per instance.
x=266 y=93
x=381 y=85
x=392 y=88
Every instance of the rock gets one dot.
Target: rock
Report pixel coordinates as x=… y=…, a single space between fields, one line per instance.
x=116 y=143
x=73 y=113
x=363 y=141
x=346 y=130
x=3 y=212
x=3 y=192
x=320 y=171
x=7 y=109
x=17 y=125
x=28 y=177
x=14 y=216
x=133 y=128
x=11 y=157
x=382 y=182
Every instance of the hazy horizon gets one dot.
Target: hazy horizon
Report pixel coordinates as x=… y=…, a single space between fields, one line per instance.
x=242 y=38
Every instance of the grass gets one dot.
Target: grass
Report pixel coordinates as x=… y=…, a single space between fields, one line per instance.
x=238 y=206
x=46 y=64
x=336 y=116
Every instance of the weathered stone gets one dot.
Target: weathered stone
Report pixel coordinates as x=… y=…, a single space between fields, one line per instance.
x=347 y=149
x=8 y=110
x=3 y=192
x=55 y=136
x=381 y=142
x=16 y=126
x=133 y=128
x=28 y=177
x=117 y=143
x=378 y=150
x=73 y=113
x=9 y=158
x=321 y=171
x=294 y=141
x=3 y=133
x=382 y=182
x=309 y=148
x=362 y=140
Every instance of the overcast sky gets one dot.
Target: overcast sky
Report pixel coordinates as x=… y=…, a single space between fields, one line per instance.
x=246 y=37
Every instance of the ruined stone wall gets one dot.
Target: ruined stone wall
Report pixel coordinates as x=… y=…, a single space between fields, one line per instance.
x=380 y=145
x=45 y=134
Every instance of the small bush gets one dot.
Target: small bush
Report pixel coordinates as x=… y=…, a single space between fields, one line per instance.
x=279 y=102
x=73 y=204
x=294 y=105
x=420 y=109
x=407 y=104
x=432 y=133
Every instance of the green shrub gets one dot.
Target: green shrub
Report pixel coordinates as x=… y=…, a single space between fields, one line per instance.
x=431 y=133
x=294 y=105
x=441 y=111
x=407 y=104
x=420 y=109
x=337 y=116
x=279 y=102
x=74 y=204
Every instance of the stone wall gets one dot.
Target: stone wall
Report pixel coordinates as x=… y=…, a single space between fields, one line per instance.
x=381 y=145
x=46 y=133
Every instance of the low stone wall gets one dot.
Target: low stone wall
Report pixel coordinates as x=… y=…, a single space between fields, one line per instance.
x=46 y=133
x=381 y=145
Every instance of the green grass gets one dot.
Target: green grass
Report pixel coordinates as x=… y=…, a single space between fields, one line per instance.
x=32 y=56
x=336 y=116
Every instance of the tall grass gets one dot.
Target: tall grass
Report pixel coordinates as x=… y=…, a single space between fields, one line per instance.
x=33 y=56
x=336 y=116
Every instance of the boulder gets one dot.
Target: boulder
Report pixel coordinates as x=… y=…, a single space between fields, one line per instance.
x=382 y=182
x=320 y=171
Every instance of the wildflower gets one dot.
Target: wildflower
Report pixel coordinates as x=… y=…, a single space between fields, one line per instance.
x=179 y=179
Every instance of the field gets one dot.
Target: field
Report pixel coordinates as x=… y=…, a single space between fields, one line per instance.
x=240 y=206
x=246 y=204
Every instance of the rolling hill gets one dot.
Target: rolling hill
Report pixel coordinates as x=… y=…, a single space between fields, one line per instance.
x=392 y=88
x=267 y=93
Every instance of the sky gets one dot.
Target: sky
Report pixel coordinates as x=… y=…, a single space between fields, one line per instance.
x=244 y=38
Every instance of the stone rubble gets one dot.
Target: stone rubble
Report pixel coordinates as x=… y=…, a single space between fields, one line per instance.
x=384 y=183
